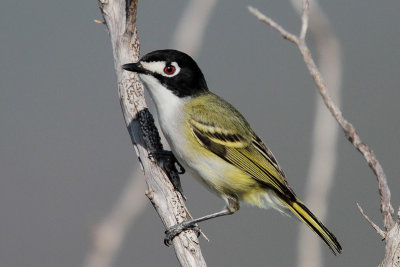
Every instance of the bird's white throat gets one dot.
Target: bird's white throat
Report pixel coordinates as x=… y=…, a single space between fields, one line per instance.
x=169 y=107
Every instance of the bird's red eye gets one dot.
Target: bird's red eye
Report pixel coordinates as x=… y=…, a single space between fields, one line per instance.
x=169 y=70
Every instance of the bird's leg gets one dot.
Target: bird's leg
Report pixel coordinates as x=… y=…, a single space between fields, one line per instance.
x=166 y=160
x=170 y=233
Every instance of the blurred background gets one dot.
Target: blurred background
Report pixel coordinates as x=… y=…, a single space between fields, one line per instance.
x=66 y=156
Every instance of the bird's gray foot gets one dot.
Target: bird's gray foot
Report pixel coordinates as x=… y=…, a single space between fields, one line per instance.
x=175 y=230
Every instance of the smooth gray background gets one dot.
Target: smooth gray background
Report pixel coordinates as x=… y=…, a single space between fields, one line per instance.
x=65 y=154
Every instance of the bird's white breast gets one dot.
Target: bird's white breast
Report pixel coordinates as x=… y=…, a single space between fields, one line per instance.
x=170 y=113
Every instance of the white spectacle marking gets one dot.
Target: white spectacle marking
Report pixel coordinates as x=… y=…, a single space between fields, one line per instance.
x=158 y=67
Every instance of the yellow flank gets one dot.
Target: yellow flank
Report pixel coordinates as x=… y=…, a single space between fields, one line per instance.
x=217 y=174
x=255 y=197
x=237 y=181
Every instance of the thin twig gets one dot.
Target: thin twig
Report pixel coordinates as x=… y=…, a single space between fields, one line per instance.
x=98 y=21
x=376 y=227
x=392 y=233
x=353 y=137
x=350 y=132
x=285 y=34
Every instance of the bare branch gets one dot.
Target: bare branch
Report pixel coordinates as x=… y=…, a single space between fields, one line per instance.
x=353 y=137
x=392 y=249
x=376 y=227
x=348 y=128
x=120 y=19
x=261 y=17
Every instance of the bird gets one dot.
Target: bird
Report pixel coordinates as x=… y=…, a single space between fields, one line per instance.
x=212 y=140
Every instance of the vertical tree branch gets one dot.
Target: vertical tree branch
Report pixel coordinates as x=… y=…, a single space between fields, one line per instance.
x=120 y=19
x=392 y=248
x=110 y=232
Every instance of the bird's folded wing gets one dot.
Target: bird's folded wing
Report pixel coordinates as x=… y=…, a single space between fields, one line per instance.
x=241 y=148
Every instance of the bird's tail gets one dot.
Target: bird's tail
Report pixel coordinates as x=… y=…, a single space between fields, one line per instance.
x=306 y=216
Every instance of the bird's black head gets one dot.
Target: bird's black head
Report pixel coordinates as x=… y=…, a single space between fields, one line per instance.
x=173 y=69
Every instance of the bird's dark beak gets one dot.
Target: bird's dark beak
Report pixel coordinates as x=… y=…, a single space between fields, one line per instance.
x=134 y=67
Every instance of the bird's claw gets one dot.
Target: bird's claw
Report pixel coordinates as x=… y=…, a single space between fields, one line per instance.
x=175 y=230
x=167 y=161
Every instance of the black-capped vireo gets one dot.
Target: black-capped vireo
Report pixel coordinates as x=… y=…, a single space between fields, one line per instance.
x=216 y=144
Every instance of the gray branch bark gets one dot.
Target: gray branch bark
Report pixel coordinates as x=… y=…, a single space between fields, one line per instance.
x=120 y=18
x=391 y=224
